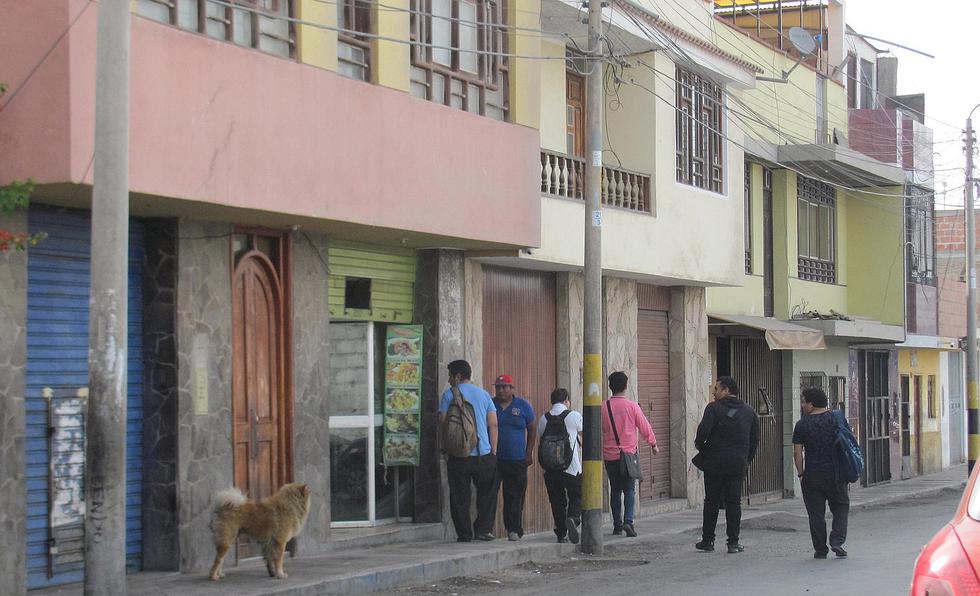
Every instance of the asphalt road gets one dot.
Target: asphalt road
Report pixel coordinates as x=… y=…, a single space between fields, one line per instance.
x=883 y=543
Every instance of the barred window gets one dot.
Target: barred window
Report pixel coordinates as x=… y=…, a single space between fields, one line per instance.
x=354 y=49
x=458 y=54
x=816 y=216
x=700 y=155
x=920 y=237
x=257 y=24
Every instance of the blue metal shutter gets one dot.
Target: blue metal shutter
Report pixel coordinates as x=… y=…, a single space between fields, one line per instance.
x=57 y=380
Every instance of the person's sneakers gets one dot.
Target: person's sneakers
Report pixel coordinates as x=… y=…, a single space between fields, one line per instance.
x=705 y=545
x=562 y=540
x=839 y=551
x=630 y=531
x=819 y=555
x=617 y=530
x=572 y=525
x=735 y=548
x=513 y=536
x=487 y=537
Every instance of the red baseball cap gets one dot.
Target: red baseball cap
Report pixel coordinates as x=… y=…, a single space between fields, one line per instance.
x=504 y=380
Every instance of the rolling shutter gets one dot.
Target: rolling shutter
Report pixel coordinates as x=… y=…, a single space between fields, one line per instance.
x=653 y=395
x=57 y=384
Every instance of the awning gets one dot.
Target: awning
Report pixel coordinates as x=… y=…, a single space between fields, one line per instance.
x=780 y=335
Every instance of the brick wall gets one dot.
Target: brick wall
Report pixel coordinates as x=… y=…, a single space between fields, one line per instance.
x=950 y=272
x=951 y=232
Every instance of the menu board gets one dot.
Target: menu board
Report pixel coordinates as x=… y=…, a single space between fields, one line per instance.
x=403 y=394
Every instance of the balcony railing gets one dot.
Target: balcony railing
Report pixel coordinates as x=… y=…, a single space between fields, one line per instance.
x=564 y=176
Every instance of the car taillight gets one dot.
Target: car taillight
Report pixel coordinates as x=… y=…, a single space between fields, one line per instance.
x=943 y=568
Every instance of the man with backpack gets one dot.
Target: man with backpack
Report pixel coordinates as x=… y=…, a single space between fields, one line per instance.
x=727 y=439
x=468 y=420
x=816 y=437
x=559 y=456
x=515 y=449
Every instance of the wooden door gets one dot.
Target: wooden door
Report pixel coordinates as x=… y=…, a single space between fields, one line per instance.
x=575 y=114
x=257 y=377
x=653 y=395
x=519 y=339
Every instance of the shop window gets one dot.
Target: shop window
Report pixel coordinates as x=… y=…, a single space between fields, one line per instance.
x=357 y=293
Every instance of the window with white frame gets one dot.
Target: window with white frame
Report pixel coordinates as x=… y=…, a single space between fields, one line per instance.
x=459 y=54
x=816 y=216
x=699 y=141
x=255 y=24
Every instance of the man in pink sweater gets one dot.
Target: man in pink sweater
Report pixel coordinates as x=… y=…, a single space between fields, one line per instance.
x=630 y=422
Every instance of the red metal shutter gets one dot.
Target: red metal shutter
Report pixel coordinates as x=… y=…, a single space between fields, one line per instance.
x=519 y=334
x=653 y=392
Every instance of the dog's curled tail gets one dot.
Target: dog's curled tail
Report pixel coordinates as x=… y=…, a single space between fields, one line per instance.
x=231 y=497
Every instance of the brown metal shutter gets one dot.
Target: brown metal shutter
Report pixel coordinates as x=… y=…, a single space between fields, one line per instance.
x=519 y=330
x=653 y=393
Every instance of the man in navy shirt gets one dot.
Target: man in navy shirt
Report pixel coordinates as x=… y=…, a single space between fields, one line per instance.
x=515 y=452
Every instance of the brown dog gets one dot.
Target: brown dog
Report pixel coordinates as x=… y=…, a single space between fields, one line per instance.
x=272 y=522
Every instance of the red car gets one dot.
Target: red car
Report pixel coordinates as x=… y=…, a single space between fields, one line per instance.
x=949 y=565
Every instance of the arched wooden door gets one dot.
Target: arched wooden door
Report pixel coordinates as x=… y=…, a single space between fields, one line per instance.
x=257 y=376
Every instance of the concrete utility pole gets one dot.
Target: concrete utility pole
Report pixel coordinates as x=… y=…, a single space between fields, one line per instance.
x=972 y=403
x=105 y=443
x=592 y=377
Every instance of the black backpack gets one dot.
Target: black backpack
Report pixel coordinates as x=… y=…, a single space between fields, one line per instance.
x=554 y=448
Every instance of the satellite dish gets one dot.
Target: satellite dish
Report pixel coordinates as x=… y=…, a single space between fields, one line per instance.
x=802 y=40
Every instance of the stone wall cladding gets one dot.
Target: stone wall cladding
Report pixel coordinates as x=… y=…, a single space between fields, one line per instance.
x=571 y=329
x=689 y=378
x=474 y=316
x=311 y=399
x=160 y=536
x=13 y=359
x=205 y=464
x=619 y=313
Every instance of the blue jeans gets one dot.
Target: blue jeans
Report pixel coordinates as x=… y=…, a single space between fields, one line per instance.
x=622 y=491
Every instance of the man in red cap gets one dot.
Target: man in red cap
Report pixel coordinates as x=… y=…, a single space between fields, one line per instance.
x=515 y=452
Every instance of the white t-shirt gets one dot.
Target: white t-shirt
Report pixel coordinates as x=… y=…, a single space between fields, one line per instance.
x=573 y=424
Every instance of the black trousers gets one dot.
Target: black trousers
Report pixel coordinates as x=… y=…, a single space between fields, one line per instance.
x=818 y=491
x=718 y=489
x=565 y=495
x=512 y=476
x=480 y=472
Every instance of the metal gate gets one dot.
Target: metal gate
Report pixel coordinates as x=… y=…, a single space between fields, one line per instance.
x=956 y=423
x=519 y=338
x=875 y=416
x=758 y=372
x=57 y=390
x=653 y=395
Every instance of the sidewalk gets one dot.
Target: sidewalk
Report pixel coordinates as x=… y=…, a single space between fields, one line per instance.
x=367 y=569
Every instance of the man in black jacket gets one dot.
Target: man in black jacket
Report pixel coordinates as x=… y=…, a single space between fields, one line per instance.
x=727 y=438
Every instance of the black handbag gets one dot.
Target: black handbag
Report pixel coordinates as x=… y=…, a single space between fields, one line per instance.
x=629 y=463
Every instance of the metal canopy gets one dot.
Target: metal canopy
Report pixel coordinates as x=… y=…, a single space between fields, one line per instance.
x=780 y=335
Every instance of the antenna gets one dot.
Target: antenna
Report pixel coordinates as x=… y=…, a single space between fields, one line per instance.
x=804 y=43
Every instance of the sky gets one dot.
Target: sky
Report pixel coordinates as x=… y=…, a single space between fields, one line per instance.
x=947 y=29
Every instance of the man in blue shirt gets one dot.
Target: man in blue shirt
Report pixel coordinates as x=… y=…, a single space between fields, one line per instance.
x=515 y=452
x=480 y=468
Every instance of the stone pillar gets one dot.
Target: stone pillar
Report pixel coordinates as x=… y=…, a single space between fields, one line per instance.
x=439 y=308
x=619 y=323
x=13 y=358
x=205 y=464
x=160 y=538
x=570 y=315
x=473 y=327
x=311 y=402
x=689 y=380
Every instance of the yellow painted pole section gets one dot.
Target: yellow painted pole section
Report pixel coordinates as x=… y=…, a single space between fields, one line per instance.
x=316 y=46
x=392 y=60
x=592 y=464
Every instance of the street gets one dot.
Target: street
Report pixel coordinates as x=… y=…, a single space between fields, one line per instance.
x=883 y=543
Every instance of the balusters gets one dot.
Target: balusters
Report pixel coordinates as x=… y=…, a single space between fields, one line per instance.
x=564 y=176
